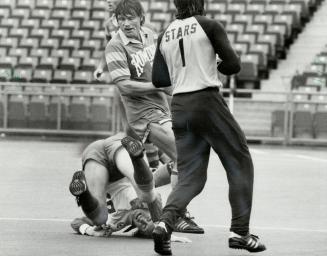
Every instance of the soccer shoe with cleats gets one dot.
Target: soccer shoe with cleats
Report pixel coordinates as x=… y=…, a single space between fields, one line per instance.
x=134 y=147
x=249 y=242
x=161 y=238
x=185 y=224
x=78 y=184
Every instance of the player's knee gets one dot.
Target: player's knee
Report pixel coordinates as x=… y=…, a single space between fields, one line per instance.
x=147 y=197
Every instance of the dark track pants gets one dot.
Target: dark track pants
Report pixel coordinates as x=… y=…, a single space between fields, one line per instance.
x=202 y=120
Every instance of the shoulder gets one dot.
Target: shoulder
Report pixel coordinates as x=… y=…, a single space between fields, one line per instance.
x=115 y=44
x=209 y=24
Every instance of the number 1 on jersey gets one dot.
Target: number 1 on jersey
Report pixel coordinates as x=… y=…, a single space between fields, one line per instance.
x=181 y=48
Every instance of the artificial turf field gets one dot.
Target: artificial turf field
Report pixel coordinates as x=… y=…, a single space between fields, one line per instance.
x=289 y=209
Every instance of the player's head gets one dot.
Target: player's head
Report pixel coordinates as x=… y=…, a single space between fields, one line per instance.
x=142 y=220
x=189 y=8
x=130 y=17
x=112 y=4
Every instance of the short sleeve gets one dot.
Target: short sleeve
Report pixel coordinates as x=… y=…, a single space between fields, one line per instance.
x=117 y=62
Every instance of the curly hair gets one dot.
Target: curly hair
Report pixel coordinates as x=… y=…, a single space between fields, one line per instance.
x=189 y=8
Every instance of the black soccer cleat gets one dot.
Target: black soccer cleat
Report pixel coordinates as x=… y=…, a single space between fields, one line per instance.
x=134 y=147
x=161 y=239
x=185 y=224
x=78 y=184
x=249 y=242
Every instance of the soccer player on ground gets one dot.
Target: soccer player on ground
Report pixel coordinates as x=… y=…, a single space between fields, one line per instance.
x=129 y=56
x=115 y=165
x=186 y=59
x=111 y=166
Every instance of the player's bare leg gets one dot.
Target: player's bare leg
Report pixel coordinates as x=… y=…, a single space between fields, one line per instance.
x=89 y=187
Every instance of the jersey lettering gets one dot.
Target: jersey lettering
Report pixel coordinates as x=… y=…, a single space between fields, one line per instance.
x=180 y=32
x=140 y=58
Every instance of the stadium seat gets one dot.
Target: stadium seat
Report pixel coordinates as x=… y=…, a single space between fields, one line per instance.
x=255 y=9
x=99 y=5
x=101 y=114
x=248 y=76
x=20 y=13
x=278 y=123
x=50 y=24
x=5 y=74
x=61 y=53
x=21 y=75
x=60 y=14
x=89 y=64
x=37 y=111
x=79 y=14
x=3 y=51
x=303 y=124
x=25 y=4
x=99 y=15
x=69 y=63
x=92 y=44
x=39 y=33
x=91 y=24
x=10 y=23
x=28 y=43
x=48 y=63
x=49 y=43
x=70 y=44
x=42 y=75
x=42 y=14
x=30 y=23
x=7 y=3
x=62 y=76
x=80 y=34
x=4 y=32
x=8 y=62
x=79 y=113
x=18 y=33
x=235 y=8
x=320 y=124
x=17 y=52
x=81 y=54
x=82 y=5
x=245 y=19
x=98 y=34
x=70 y=24
x=52 y=120
x=17 y=112
x=213 y=8
x=82 y=77
x=60 y=33
x=63 y=4
x=44 y=4
x=9 y=42
x=4 y=12
x=241 y=48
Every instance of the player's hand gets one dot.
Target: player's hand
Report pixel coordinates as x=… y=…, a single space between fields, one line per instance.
x=97 y=74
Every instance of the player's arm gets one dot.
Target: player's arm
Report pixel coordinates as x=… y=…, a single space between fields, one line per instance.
x=217 y=35
x=132 y=87
x=119 y=70
x=160 y=72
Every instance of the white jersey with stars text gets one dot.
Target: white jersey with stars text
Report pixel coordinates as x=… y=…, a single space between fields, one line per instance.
x=189 y=55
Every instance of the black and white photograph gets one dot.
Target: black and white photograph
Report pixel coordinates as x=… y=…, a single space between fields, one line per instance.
x=163 y=127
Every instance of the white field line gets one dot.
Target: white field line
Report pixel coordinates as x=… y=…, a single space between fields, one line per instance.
x=206 y=225
x=312 y=158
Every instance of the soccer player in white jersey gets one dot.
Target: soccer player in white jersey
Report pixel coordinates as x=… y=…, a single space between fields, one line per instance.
x=186 y=59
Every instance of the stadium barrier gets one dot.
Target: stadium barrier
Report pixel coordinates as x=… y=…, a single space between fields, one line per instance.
x=78 y=109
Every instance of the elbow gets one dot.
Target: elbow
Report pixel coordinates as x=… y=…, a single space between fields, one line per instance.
x=230 y=67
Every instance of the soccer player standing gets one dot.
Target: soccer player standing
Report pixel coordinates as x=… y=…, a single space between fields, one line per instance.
x=186 y=59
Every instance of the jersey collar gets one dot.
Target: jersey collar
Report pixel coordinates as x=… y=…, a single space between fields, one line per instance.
x=127 y=40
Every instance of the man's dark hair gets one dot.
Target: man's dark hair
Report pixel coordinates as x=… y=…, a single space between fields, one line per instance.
x=189 y=8
x=130 y=7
